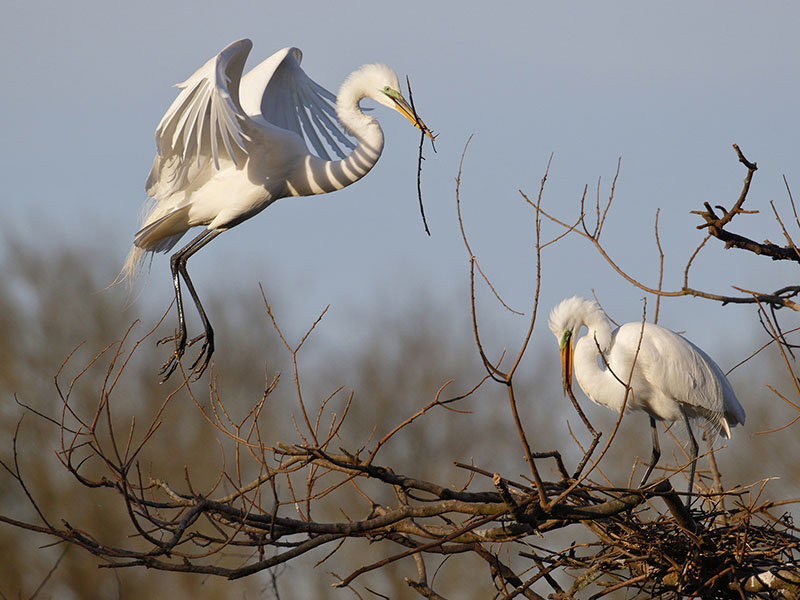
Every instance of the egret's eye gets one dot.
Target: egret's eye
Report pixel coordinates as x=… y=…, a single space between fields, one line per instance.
x=387 y=89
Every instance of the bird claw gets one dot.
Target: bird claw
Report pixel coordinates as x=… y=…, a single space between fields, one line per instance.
x=195 y=339
x=200 y=363
x=169 y=366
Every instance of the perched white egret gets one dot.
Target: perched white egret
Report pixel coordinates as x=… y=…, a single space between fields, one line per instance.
x=232 y=144
x=672 y=378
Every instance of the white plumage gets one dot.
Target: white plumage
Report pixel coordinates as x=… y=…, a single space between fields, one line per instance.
x=672 y=378
x=231 y=144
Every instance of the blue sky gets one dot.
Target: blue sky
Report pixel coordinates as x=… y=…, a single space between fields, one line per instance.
x=667 y=87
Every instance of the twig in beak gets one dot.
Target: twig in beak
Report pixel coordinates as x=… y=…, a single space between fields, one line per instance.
x=423 y=130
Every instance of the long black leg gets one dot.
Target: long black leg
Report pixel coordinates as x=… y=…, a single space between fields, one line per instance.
x=180 y=335
x=694 y=449
x=656 y=451
x=198 y=366
x=178 y=267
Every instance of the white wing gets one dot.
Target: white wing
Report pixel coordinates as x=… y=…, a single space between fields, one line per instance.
x=280 y=91
x=683 y=372
x=202 y=124
x=734 y=412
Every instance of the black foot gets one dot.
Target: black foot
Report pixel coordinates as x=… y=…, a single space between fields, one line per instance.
x=179 y=339
x=200 y=364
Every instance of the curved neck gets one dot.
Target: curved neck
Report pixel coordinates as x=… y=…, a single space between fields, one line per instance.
x=604 y=387
x=331 y=175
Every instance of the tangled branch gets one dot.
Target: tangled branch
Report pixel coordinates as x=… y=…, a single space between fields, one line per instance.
x=274 y=501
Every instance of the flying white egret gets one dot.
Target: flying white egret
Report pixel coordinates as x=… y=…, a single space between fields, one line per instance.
x=672 y=378
x=232 y=144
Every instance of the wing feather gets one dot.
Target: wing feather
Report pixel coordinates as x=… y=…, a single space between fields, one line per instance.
x=279 y=91
x=329 y=130
x=308 y=128
x=204 y=123
x=685 y=373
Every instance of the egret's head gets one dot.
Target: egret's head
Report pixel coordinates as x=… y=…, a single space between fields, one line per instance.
x=565 y=321
x=381 y=84
x=377 y=78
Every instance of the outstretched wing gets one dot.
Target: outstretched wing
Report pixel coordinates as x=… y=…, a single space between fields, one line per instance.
x=280 y=91
x=203 y=124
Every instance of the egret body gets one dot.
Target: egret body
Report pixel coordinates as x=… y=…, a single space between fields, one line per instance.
x=672 y=378
x=231 y=144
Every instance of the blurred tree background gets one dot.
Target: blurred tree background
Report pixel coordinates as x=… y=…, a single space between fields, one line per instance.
x=54 y=301
x=666 y=86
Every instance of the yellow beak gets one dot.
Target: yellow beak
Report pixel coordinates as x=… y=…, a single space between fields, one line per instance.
x=566 y=364
x=405 y=109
